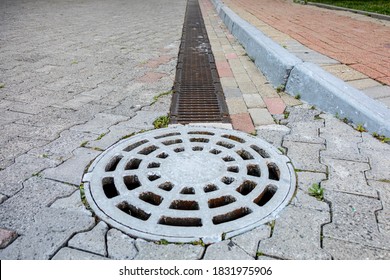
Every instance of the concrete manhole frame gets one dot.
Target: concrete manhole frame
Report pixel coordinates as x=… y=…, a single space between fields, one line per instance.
x=187 y=183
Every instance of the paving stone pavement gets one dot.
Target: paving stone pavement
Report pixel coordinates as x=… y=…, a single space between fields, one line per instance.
x=75 y=90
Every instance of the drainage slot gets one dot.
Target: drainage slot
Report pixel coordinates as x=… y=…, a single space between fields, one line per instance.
x=221 y=201
x=167 y=186
x=151 y=198
x=154 y=165
x=171 y=142
x=203 y=140
x=133 y=164
x=197 y=148
x=167 y=135
x=260 y=151
x=180 y=222
x=225 y=144
x=148 y=150
x=215 y=152
x=228 y=158
x=109 y=187
x=266 y=195
x=231 y=216
x=244 y=154
x=162 y=155
x=153 y=177
x=135 y=145
x=131 y=182
x=113 y=163
x=179 y=150
x=246 y=187
x=253 y=170
x=227 y=180
x=233 y=169
x=234 y=138
x=201 y=133
x=210 y=188
x=184 y=205
x=188 y=191
x=133 y=211
x=273 y=171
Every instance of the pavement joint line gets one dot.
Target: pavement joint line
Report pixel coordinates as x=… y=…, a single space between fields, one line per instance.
x=314 y=84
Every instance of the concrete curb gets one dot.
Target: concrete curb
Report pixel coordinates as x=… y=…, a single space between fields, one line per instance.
x=312 y=83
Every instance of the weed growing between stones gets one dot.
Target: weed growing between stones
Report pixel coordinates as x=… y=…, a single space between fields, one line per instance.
x=317 y=191
x=155 y=98
x=161 y=122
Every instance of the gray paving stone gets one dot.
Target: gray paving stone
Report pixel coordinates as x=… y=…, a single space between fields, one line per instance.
x=144 y=119
x=307 y=132
x=378 y=92
x=232 y=92
x=100 y=123
x=73 y=254
x=37 y=194
x=152 y=251
x=342 y=141
x=25 y=166
x=379 y=163
x=51 y=230
x=383 y=215
x=273 y=133
x=296 y=235
x=354 y=220
x=302 y=198
x=93 y=241
x=249 y=241
x=348 y=176
x=226 y=250
x=305 y=156
x=253 y=100
x=120 y=246
x=61 y=149
x=342 y=250
x=301 y=113
x=236 y=105
x=72 y=170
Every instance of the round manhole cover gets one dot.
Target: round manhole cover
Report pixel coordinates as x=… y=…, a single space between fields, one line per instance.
x=188 y=183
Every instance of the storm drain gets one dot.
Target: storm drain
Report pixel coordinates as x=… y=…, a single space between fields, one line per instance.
x=189 y=183
x=197 y=92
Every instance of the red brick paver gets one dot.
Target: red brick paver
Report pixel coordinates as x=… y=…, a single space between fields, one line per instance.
x=242 y=122
x=363 y=45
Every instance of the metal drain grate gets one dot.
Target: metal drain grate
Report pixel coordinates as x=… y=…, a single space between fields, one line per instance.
x=189 y=183
x=198 y=95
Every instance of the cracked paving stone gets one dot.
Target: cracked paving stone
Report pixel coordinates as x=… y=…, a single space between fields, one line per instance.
x=25 y=166
x=100 y=123
x=93 y=241
x=226 y=250
x=273 y=133
x=61 y=149
x=305 y=156
x=120 y=246
x=306 y=132
x=379 y=163
x=354 y=220
x=153 y=251
x=347 y=176
x=249 y=241
x=37 y=194
x=72 y=170
x=73 y=254
x=301 y=113
x=51 y=230
x=72 y=202
x=342 y=250
x=296 y=235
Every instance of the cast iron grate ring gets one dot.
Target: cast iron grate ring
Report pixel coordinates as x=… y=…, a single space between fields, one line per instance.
x=188 y=183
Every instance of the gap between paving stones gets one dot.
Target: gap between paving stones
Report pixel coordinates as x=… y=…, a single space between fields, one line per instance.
x=306 y=79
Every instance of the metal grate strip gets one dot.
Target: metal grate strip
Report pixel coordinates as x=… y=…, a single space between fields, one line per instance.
x=197 y=91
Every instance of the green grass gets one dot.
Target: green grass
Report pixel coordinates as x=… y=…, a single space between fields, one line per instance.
x=375 y=6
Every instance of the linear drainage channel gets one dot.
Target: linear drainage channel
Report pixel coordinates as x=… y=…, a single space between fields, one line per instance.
x=197 y=92
x=188 y=183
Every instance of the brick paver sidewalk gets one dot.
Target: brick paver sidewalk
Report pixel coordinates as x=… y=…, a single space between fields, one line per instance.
x=364 y=45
